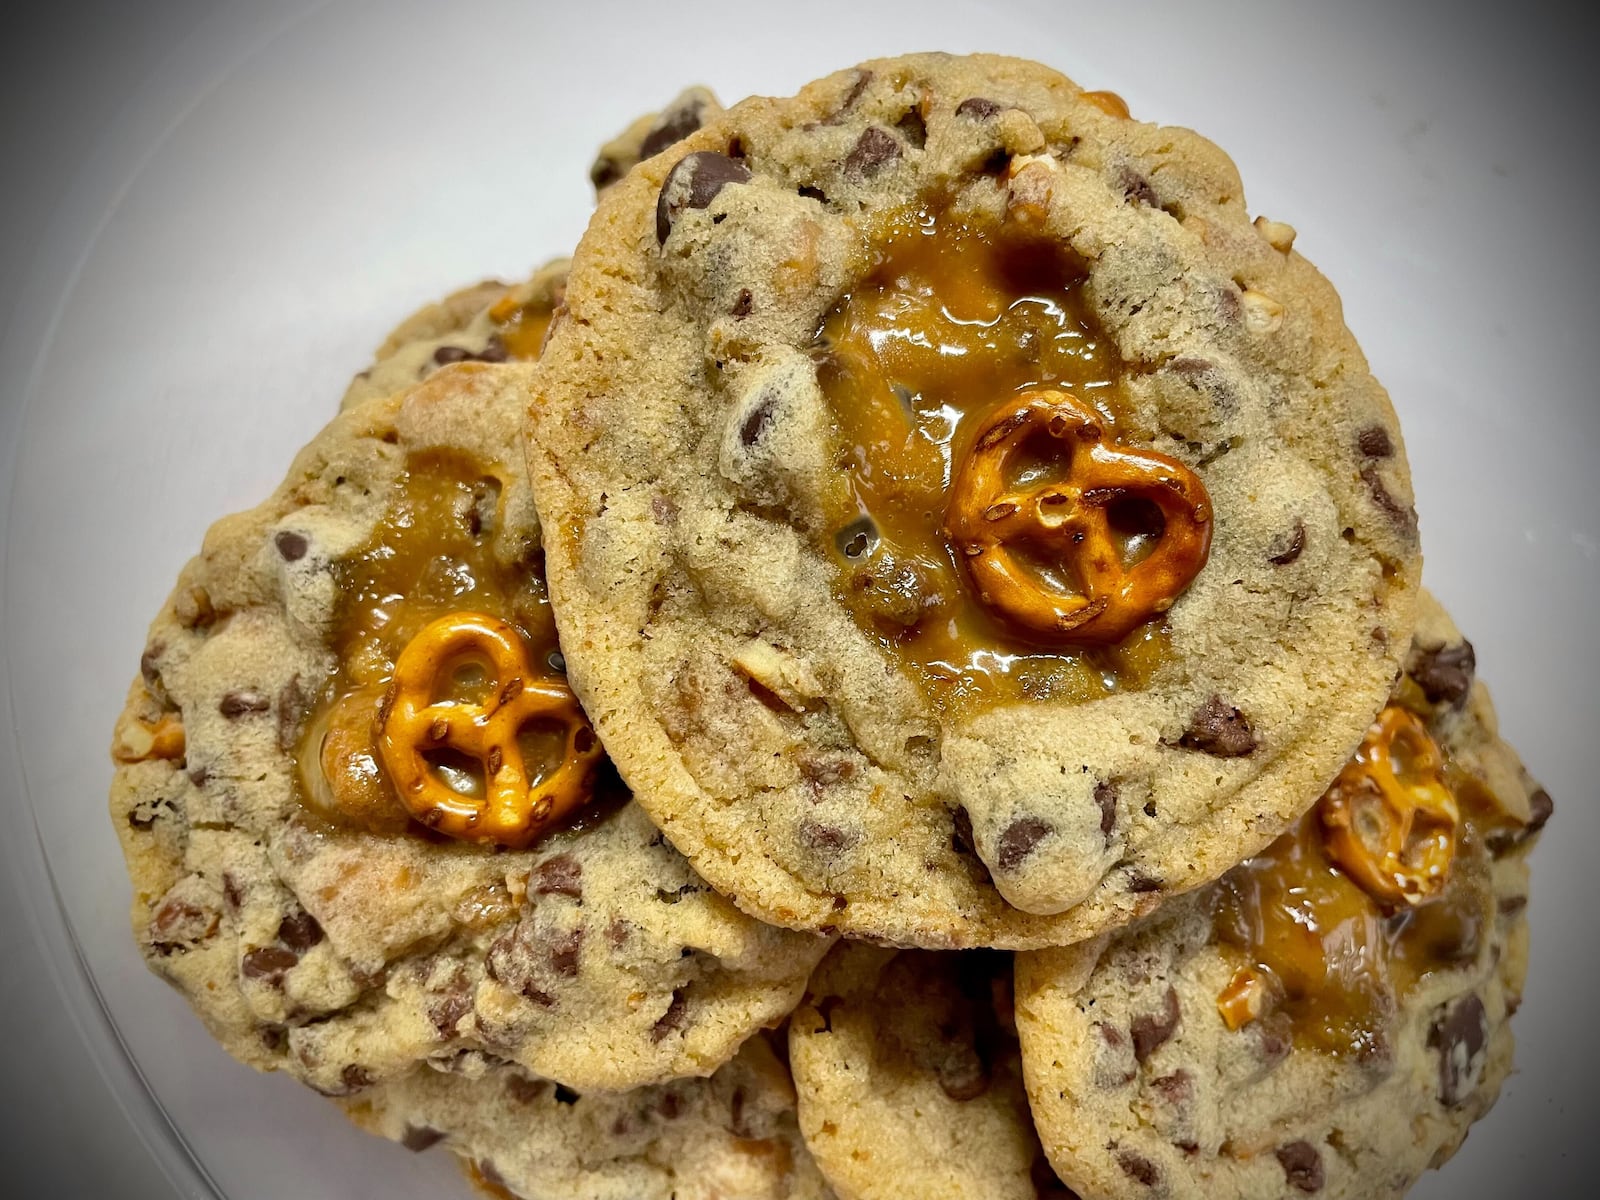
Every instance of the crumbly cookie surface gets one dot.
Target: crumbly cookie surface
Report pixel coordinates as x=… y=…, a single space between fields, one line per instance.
x=747 y=640
x=910 y=1079
x=731 y=1136
x=1141 y=1086
x=346 y=949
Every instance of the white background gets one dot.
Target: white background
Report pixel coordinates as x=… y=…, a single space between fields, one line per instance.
x=213 y=213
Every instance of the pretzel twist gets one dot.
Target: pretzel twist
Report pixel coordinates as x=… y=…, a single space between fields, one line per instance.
x=1091 y=595
x=1389 y=820
x=515 y=809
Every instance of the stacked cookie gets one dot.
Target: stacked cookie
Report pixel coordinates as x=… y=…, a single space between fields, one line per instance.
x=975 y=546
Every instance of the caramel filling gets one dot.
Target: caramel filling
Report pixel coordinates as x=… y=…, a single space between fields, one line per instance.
x=953 y=325
x=430 y=557
x=521 y=325
x=1333 y=948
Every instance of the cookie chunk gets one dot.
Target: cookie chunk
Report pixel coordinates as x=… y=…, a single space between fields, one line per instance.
x=972 y=526
x=367 y=823
x=731 y=1135
x=910 y=1079
x=1331 y=1016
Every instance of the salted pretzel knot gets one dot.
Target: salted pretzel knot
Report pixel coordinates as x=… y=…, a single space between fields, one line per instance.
x=1046 y=555
x=514 y=808
x=1389 y=820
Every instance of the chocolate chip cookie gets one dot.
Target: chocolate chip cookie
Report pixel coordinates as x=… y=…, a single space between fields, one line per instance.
x=731 y=1136
x=971 y=526
x=367 y=823
x=1331 y=1016
x=651 y=134
x=910 y=1078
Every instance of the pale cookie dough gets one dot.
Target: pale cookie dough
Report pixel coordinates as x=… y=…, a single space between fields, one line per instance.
x=729 y=1137
x=347 y=953
x=1141 y=1090
x=651 y=134
x=910 y=1079
x=687 y=454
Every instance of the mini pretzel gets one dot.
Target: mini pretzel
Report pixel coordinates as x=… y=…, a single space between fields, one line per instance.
x=1389 y=820
x=515 y=809
x=1101 y=599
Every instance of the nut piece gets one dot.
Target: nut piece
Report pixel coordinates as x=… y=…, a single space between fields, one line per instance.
x=1389 y=819
x=1280 y=236
x=1262 y=314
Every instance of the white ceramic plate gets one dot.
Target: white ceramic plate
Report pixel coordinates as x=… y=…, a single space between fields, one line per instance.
x=296 y=179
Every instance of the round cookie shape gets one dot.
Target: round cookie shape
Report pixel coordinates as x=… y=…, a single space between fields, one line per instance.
x=1299 y=1027
x=784 y=342
x=910 y=1078
x=732 y=1134
x=314 y=921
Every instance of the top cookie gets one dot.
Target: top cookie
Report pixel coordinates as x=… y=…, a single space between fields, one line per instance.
x=366 y=823
x=969 y=525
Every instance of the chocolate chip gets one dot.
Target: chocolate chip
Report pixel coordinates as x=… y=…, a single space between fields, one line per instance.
x=1402 y=515
x=1139 y=883
x=231 y=891
x=1459 y=1036
x=291 y=546
x=1018 y=841
x=962 y=1074
x=268 y=963
x=293 y=705
x=694 y=183
x=757 y=420
x=178 y=922
x=564 y=953
x=1540 y=809
x=150 y=664
x=418 y=1138
x=670 y=1105
x=851 y=97
x=447 y=1010
x=299 y=931
x=605 y=171
x=874 y=150
x=1105 y=795
x=674 y=1018
x=1136 y=188
x=1444 y=673
x=1151 y=1031
x=1289 y=547
x=743 y=304
x=1176 y=1089
x=561 y=875
x=978 y=108
x=238 y=704
x=827 y=840
x=1302 y=1166
x=528 y=1091
x=355 y=1078
x=1138 y=1168
x=1220 y=729
x=1373 y=442
x=672 y=127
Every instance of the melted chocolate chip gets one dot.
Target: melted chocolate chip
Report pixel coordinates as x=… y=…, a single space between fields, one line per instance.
x=874 y=150
x=1138 y=1168
x=978 y=108
x=528 y=1091
x=561 y=875
x=674 y=1018
x=756 y=421
x=234 y=705
x=851 y=97
x=355 y=1079
x=1289 y=547
x=694 y=183
x=150 y=665
x=447 y=1011
x=1374 y=442
x=1445 y=674
x=291 y=546
x=1105 y=795
x=418 y=1138
x=1302 y=1166
x=1540 y=809
x=1402 y=515
x=827 y=840
x=1019 y=841
x=1219 y=729
x=268 y=963
x=565 y=952
x=299 y=931
x=1151 y=1031
x=1136 y=189
x=1459 y=1036
x=743 y=304
x=1139 y=883
x=605 y=171
x=293 y=705
x=1176 y=1089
